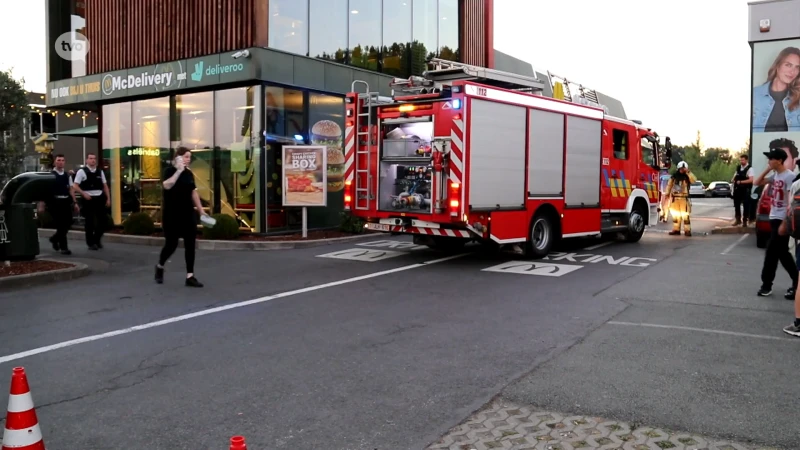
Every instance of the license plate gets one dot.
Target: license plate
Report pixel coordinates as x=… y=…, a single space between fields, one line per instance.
x=378 y=226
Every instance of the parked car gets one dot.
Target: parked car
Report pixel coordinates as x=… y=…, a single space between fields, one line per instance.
x=697 y=189
x=718 y=189
x=762 y=217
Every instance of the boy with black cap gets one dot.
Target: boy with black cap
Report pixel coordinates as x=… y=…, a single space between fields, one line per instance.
x=778 y=247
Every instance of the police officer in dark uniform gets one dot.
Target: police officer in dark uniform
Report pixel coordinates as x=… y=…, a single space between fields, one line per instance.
x=742 y=184
x=90 y=183
x=61 y=205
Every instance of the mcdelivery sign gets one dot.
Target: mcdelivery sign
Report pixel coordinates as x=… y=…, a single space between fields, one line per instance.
x=112 y=83
x=149 y=80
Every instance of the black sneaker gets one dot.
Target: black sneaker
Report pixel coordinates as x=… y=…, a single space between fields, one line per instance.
x=159 y=275
x=56 y=247
x=66 y=252
x=764 y=292
x=99 y=245
x=794 y=330
x=789 y=295
x=93 y=247
x=192 y=282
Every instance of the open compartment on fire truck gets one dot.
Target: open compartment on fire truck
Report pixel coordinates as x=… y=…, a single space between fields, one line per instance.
x=404 y=182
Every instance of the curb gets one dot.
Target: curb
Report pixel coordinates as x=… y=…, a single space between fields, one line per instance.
x=732 y=230
x=217 y=245
x=79 y=270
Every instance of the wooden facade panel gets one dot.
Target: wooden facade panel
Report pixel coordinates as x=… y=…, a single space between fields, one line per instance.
x=477 y=45
x=131 y=33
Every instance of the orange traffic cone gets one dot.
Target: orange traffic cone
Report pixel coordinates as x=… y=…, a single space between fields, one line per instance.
x=237 y=443
x=22 y=427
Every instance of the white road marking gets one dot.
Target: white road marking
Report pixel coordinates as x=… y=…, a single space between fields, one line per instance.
x=205 y=312
x=732 y=246
x=533 y=268
x=595 y=247
x=363 y=254
x=702 y=330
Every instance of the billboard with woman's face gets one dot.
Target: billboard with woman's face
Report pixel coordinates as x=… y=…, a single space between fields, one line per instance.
x=776 y=97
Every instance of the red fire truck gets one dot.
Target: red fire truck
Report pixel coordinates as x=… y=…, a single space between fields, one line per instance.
x=467 y=153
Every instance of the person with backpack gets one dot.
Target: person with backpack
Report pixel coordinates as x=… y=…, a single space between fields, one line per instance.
x=778 y=245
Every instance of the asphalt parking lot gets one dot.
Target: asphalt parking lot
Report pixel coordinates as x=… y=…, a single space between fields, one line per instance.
x=383 y=344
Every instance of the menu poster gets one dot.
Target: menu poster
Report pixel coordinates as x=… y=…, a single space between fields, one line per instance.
x=304 y=175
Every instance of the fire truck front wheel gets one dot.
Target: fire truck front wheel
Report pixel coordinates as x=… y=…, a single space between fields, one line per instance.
x=544 y=232
x=636 y=223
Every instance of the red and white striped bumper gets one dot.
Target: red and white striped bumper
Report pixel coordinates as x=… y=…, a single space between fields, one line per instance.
x=431 y=231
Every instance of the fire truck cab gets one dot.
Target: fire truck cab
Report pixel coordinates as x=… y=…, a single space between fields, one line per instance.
x=466 y=153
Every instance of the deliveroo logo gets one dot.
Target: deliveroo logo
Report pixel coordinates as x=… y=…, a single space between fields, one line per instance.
x=197 y=75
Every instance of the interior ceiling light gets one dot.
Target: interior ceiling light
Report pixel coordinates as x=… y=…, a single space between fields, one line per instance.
x=355 y=11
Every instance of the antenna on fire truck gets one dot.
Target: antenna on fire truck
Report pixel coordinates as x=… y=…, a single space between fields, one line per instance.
x=443 y=73
x=585 y=95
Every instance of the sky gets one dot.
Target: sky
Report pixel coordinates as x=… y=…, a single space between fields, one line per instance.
x=677 y=65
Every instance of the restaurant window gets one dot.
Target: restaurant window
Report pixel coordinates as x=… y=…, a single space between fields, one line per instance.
x=236 y=116
x=424 y=34
x=193 y=128
x=365 y=34
x=145 y=163
x=397 y=38
x=326 y=118
x=284 y=125
x=288 y=25
x=122 y=168
x=328 y=25
x=43 y=122
x=448 y=30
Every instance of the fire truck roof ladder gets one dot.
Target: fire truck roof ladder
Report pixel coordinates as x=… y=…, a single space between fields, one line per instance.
x=445 y=72
x=362 y=147
x=583 y=91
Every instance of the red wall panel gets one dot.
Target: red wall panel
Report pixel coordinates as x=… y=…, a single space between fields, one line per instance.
x=131 y=33
x=477 y=46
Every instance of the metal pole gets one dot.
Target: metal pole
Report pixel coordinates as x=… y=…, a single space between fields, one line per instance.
x=84 y=139
x=305 y=222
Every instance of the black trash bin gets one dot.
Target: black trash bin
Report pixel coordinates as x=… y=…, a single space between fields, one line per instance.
x=19 y=231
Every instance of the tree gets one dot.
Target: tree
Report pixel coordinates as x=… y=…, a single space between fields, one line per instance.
x=698 y=143
x=13 y=112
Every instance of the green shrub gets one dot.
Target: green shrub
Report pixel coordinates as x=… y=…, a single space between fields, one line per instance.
x=351 y=224
x=226 y=228
x=139 y=224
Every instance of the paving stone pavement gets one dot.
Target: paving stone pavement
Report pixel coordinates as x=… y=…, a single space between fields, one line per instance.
x=504 y=425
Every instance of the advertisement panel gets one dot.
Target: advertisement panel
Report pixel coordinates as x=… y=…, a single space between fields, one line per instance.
x=305 y=178
x=775 y=117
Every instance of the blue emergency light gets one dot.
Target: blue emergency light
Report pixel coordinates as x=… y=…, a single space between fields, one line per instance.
x=456 y=103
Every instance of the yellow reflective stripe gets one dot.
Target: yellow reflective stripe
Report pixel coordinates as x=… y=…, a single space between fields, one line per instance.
x=613 y=186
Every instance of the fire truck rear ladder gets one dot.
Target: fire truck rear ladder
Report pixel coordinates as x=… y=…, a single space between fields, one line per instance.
x=364 y=192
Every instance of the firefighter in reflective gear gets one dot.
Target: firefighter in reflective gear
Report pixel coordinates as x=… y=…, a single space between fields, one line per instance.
x=680 y=204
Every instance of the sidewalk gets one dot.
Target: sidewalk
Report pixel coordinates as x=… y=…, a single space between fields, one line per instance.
x=507 y=425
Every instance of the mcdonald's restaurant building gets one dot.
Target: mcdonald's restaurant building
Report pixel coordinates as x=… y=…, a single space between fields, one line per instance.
x=236 y=80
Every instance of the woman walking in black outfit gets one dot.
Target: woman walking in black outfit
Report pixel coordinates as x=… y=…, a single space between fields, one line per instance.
x=179 y=218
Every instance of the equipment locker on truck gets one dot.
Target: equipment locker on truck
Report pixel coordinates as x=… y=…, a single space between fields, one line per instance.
x=467 y=153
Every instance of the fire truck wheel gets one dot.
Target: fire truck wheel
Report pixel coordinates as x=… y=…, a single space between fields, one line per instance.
x=636 y=225
x=542 y=236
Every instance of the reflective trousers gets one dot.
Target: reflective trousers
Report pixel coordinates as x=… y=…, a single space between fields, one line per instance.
x=680 y=209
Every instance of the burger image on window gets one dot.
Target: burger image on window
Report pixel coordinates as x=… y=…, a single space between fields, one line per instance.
x=329 y=134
